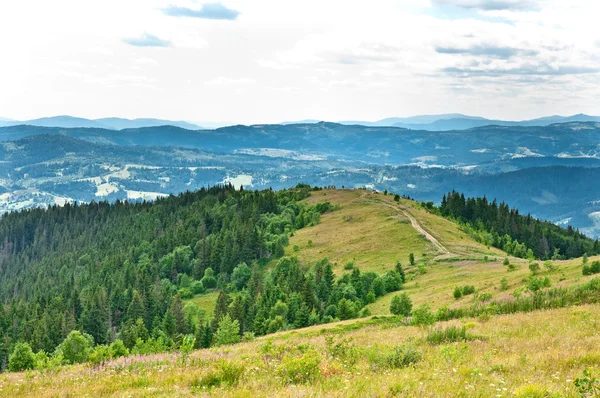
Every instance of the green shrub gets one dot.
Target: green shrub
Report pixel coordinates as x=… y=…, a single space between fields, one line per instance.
x=457 y=292
x=450 y=334
x=99 y=355
x=423 y=316
x=186 y=293
x=468 y=289
x=485 y=297
x=506 y=261
x=403 y=356
x=591 y=269
x=534 y=283
x=118 y=349
x=588 y=385
x=44 y=361
x=349 y=265
x=226 y=374
x=21 y=358
x=401 y=305
x=411 y=259
x=534 y=268
x=77 y=347
x=300 y=370
x=197 y=287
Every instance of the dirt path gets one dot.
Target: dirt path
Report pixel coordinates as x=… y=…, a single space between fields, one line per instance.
x=445 y=253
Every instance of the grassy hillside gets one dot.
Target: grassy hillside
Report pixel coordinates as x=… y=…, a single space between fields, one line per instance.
x=538 y=354
x=523 y=354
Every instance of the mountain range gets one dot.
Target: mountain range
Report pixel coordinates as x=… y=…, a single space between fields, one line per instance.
x=546 y=171
x=442 y=122
x=457 y=121
x=112 y=123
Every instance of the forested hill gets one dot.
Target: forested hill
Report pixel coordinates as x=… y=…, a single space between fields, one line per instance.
x=119 y=273
x=101 y=267
x=519 y=235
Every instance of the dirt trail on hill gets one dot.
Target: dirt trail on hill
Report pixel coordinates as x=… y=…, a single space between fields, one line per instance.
x=445 y=253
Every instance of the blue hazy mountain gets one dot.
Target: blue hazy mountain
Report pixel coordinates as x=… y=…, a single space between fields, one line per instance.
x=456 y=121
x=112 y=123
x=464 y=123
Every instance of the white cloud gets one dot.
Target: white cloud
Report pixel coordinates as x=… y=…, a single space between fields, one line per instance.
x=328 y=60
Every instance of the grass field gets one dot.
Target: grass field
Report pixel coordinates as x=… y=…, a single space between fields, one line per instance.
x=374 y=236
x=536 y=354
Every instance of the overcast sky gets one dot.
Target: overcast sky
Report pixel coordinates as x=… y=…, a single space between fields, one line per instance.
x=267 y=61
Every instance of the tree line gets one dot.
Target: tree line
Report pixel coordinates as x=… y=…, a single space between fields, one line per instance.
x=496 y=224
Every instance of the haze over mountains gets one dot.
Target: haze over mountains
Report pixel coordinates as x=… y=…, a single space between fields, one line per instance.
x=443 y=122
x=112 y=123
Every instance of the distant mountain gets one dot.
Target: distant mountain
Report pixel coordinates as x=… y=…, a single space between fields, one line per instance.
x=104 y=123
x=552 y=167
x=305 y=121
x=420 y=119
x=456 y=121
x=464 y=123
x=120 y=124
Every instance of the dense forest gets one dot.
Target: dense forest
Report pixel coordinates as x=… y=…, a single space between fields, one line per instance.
x=122 y=271
x=519 y=235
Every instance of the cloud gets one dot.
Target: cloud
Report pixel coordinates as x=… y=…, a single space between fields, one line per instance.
x=147 y=40
x=490 y=5
x=493 y=51
x=207 y=11
x=542 y=70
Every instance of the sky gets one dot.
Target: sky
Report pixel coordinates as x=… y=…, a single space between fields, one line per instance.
x=268 y=61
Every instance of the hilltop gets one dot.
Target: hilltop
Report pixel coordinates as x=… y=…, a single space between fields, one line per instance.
x=506 y=337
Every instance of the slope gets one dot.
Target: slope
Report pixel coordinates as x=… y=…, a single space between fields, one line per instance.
x=538 y=353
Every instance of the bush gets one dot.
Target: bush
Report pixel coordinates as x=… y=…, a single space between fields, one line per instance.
x=450 y=334
x=300 y=370
x=21 y=358
x=77 y=347
x=594 y=268
x=197 y=287
x=457 y=293
x=226 y=374
x=349 y=265
x=485 y=297
x=423 y=316
x=209 y=281
x=504 y=284
x=401 y=305
x=534 y=268
x=588 y=385
x=411 y=259
x=468 y=289
x=118 y=349
x=534 y=284
x=506 y=261
x=185 y=293
x=45 y=362
x=100 y=355
x=403 y=356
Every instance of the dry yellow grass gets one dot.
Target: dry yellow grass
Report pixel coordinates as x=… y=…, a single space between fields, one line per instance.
x=524 y=355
